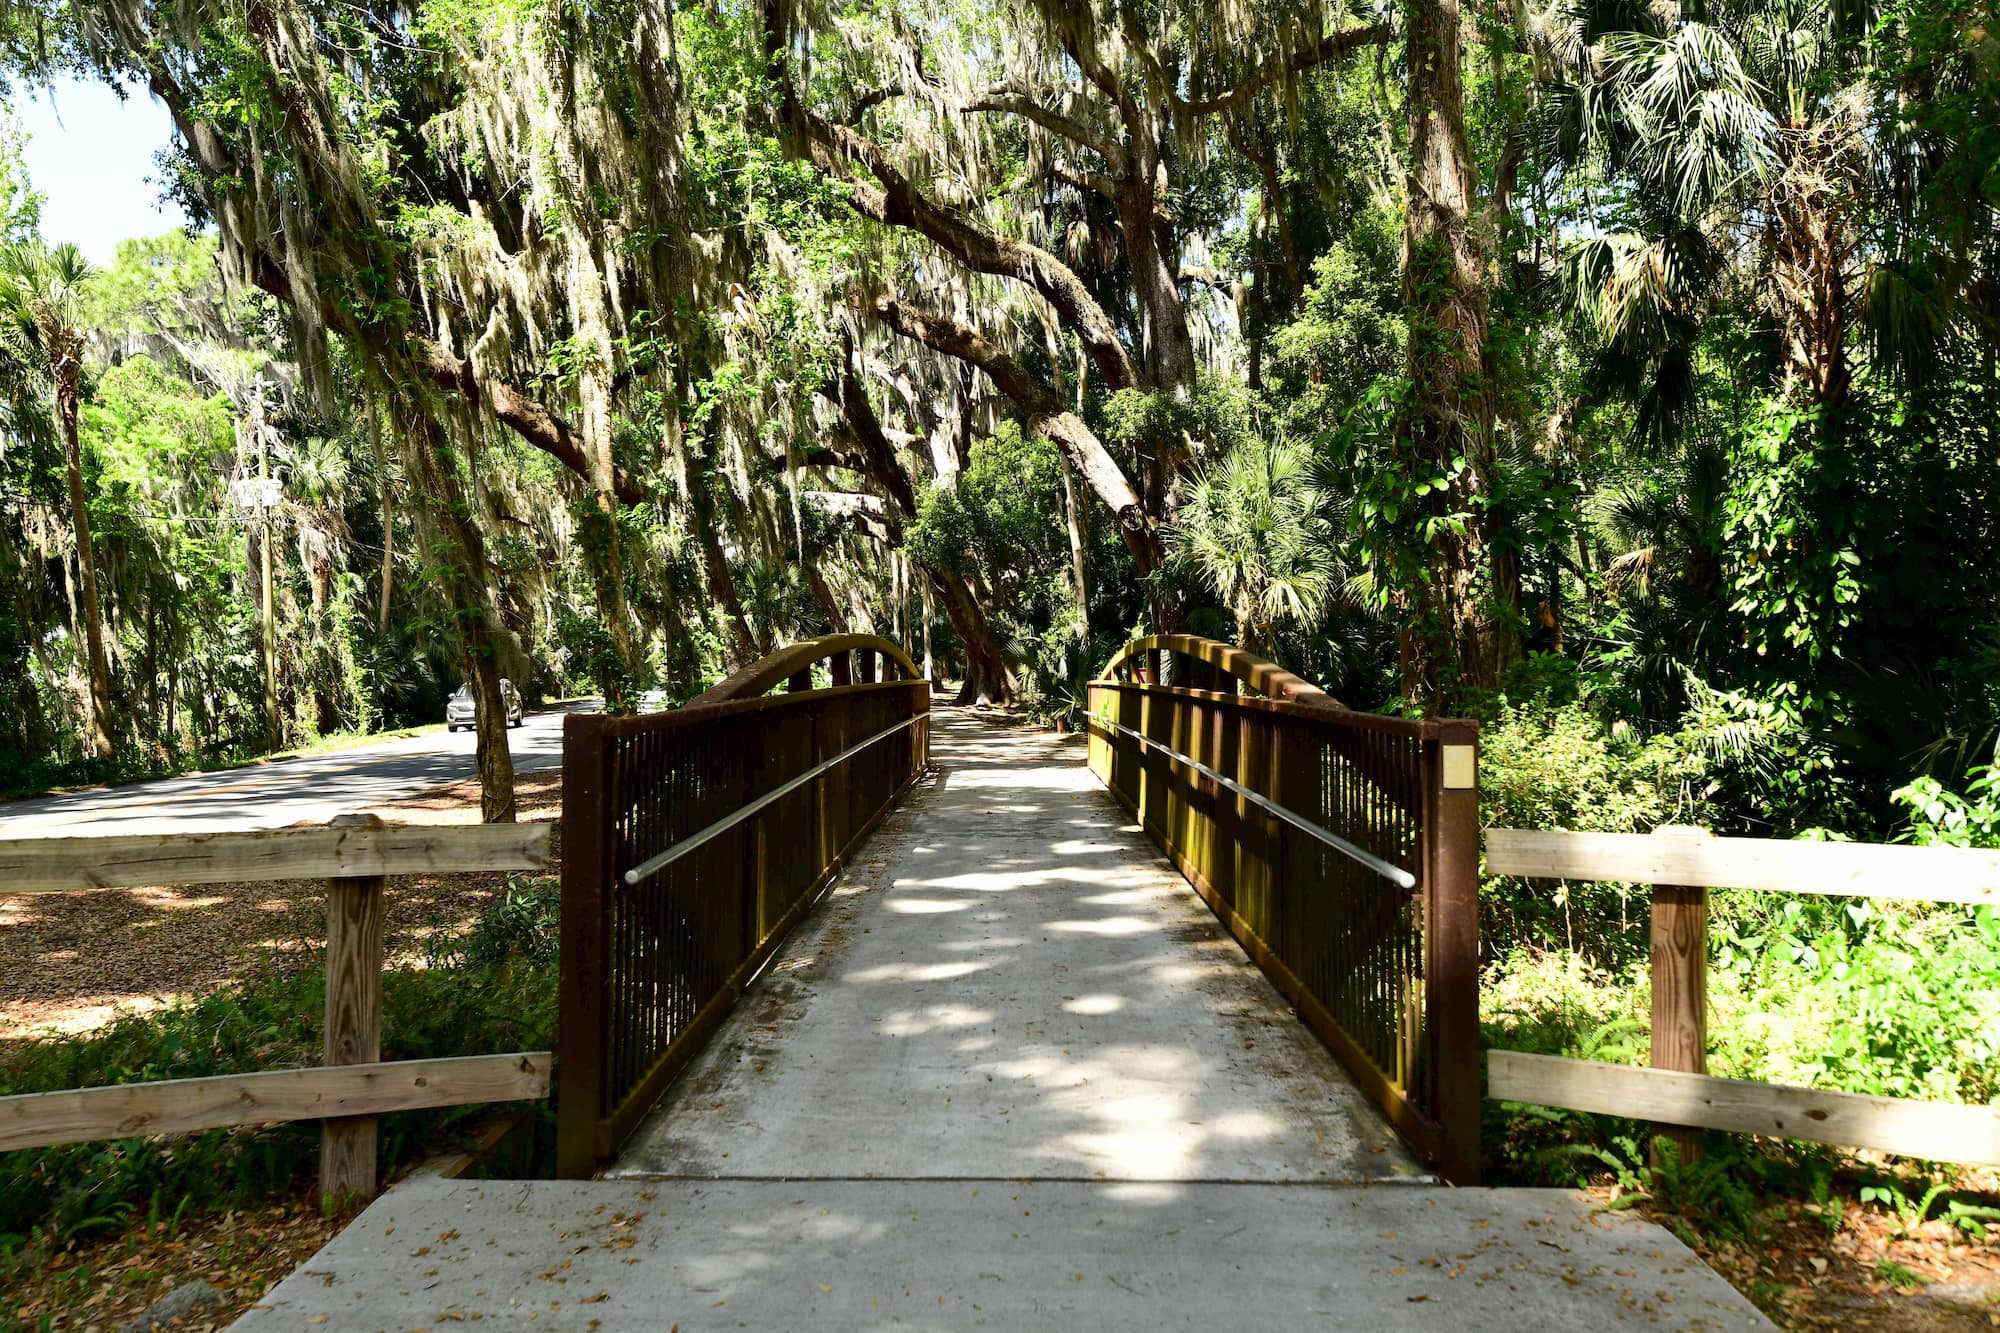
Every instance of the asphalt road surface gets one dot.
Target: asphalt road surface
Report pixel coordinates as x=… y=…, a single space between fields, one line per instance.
x=313 y=789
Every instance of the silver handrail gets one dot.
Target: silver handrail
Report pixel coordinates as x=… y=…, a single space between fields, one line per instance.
x=653 y=865
x=1395 y=874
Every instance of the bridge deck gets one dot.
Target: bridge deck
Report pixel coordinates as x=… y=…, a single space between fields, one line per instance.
x=1013 y=983
x=1011 y=1074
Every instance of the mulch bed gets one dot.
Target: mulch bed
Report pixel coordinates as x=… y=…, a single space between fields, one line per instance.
x=107 y=1283
x=1852 y=1266
x=70 y=962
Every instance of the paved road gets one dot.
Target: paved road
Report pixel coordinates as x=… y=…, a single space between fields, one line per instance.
x=315 y=788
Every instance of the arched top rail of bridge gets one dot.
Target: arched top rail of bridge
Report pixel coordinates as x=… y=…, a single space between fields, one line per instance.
x=850 y=658
x=1196 y=663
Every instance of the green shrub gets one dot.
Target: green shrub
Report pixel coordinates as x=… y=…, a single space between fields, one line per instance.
x=520 y=925
x=1889 y=999
x=1556 y=765
x=1941 y=817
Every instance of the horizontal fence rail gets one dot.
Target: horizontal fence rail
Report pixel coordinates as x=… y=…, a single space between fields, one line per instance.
x=693 y=841
x=1677 y=1093
x=136 y=860
x=1934 y=1131
x=355 y=854
x=1340 y=848
x=1837 y=869
x=187 y=1105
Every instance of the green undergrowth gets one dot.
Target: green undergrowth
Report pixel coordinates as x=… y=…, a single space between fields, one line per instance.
x=1818 y=995
x=1869 y=996
x=492 y=990
x=1826 y=993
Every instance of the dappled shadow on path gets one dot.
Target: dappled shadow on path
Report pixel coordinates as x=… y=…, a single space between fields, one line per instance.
x=1012 y=983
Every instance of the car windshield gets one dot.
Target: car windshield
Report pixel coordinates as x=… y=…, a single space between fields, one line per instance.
x=464 y=692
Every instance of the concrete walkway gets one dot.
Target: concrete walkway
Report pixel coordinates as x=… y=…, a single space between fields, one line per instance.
x=1013 y=983
x=1011 y=1074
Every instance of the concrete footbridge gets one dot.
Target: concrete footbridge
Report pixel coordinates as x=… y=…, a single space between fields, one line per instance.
x=880 y=1017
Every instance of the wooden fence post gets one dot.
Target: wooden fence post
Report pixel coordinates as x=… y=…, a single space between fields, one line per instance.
x=1451 y=939
x=1680 y=987
x=353 y=1033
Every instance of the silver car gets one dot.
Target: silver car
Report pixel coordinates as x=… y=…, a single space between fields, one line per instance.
x=462 y=710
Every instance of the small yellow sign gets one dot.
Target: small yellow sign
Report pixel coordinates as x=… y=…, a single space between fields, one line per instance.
x=1461 y=767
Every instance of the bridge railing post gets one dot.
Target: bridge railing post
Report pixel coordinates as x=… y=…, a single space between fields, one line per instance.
x=1451 y=945
x=586 y=870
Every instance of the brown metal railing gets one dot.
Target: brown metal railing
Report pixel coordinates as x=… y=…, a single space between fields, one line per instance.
x=692 y=842
x=1341 y=849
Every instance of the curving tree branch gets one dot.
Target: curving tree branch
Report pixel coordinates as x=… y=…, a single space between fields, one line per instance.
x=895 y=201
x=1047 y=414
x=1334 y=46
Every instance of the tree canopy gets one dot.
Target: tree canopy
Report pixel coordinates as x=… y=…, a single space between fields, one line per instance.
x=1644 y=355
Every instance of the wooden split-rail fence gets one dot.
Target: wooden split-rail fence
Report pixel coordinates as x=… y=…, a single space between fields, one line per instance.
x=354 y=856
x=1676 y=1091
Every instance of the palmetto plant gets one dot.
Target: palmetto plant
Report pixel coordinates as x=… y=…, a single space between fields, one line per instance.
x=1668 y=526
x=1254 y=531
x=1742 y=135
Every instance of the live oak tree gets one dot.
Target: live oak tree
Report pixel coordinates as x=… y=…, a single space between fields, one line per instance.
x=1084 y=112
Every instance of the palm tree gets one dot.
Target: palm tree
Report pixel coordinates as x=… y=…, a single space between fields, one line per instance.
x=41 y=294
x=1743 y=129
x=1253 y=530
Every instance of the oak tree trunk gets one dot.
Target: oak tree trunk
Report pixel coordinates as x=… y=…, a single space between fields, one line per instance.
x=988 y=678
x=1075 y=522
x=721 y=584
x=460 y=549
x=836 y=619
